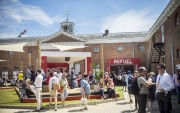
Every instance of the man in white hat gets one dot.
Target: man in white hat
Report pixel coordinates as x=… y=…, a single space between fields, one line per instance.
x=53 y=91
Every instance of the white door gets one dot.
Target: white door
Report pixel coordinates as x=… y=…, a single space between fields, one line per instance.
x=15 y=74
x=77 y=68
x=6 y=74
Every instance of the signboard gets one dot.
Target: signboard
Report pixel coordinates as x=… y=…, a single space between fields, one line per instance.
x=51 y=70
x=122 y=61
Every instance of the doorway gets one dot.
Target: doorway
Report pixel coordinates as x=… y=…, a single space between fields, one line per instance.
x=122 y=68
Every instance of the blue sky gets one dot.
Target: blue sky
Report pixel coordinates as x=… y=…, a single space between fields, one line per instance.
x=43 y=17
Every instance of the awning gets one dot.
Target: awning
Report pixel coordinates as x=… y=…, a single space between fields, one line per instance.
x=13 y=47
x=2 y=60
x=63 y=47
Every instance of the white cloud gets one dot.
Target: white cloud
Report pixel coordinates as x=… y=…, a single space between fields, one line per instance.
x=131 y=21
x=83 y=24
x=21 y=12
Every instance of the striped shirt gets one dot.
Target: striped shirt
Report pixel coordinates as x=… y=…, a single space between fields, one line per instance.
x=142 y=85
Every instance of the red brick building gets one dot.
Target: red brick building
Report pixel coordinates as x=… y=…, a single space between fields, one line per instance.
x=121 y=51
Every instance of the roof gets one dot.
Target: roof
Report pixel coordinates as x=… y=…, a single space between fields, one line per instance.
x=170 y=8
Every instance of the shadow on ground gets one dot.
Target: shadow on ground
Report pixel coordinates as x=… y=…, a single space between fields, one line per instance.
x=29 y=111
x=76 y=110
x=122 y=103
x=128 y=111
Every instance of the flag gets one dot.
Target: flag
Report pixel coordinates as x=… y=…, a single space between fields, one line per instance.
x=24 y=31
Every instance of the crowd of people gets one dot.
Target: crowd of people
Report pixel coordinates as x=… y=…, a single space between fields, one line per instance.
x=146 y=88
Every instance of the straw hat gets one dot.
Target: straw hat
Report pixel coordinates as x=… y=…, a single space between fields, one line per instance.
x=151 y=73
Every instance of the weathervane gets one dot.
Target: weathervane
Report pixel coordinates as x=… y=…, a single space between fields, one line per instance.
x=67 y=15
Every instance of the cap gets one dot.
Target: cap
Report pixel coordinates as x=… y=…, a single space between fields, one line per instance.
x=141 y=69
x=55 y=73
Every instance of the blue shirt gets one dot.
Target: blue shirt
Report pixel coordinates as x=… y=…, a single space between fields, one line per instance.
x=86 y=86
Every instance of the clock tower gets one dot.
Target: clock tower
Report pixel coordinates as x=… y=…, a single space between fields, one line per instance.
x=67 y=26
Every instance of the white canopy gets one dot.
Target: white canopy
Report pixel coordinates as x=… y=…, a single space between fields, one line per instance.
x=63 y=47
x=13 y=47
x=3 y=60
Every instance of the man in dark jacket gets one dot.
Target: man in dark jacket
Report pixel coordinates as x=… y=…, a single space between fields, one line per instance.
x=72 y=78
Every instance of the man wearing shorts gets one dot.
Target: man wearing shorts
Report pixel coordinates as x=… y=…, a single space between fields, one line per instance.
x=52 y=90
x=85 y=88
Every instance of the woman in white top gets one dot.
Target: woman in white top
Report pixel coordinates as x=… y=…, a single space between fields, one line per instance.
x=64 y=87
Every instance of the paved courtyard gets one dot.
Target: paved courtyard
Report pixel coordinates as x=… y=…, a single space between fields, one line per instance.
x=121 y=106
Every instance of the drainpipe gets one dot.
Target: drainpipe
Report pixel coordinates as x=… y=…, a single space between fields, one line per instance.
x=133 y=49
x=172 y=54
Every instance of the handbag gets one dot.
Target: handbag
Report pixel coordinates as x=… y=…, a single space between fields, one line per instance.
x=83 y=102
x=61 y=90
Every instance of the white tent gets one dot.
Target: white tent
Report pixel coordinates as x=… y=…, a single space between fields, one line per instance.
x=3 y=60
x=13 y=47
x=63 y=47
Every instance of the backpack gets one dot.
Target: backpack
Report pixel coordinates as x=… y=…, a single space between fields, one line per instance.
x=55 y=85
x=134 y=87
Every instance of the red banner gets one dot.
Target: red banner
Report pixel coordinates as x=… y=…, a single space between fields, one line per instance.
x=122 y=61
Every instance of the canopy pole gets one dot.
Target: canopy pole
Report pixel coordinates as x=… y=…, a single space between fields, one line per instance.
x=102 y=60
x=39 y=54
x=29 y=57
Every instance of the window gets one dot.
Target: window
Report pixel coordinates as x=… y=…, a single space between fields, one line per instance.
x=16 y=68
x=30 y=50
x=5 y=68
x=162 y=32
x=163 y=58
x=10 y=52
x=120 y=48
x=96 y=48
x=141 y=47
x=178 y=53
x=177 y=20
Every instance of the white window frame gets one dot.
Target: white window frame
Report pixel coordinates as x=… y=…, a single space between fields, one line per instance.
x=96 y=48
x=119 y=48
x=177 y=19
x=10 y=52
x=162 y=33
x=30 y=51
x=16 y=68
x=141 y=47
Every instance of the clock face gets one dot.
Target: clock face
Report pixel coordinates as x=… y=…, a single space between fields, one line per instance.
x=65 y=27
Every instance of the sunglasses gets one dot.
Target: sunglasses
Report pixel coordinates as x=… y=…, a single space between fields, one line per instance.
x=159 y=68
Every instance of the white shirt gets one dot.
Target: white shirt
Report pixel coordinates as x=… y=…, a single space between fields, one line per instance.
x=52 y=80
x=42 y=72
x=59 y=75
x=165 y=82
x=38 y=81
